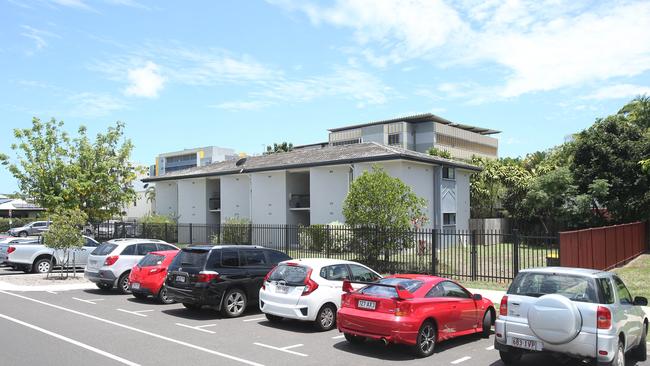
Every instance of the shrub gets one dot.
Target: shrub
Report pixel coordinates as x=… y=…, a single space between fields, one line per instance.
x=159 y=227
x=234 y=231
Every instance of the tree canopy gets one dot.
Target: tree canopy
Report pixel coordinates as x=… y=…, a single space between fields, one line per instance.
x=279 y=147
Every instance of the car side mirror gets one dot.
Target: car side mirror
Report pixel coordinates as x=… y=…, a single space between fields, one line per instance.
x=640 y=301
x=477 y=297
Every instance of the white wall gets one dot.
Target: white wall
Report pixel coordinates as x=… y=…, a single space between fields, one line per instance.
x=328 y=187
x=167 y=198
x=420 y=178
x=139 y=208
x=462 y=193
x=269 y=197
x=235 y=197
x=192 y=201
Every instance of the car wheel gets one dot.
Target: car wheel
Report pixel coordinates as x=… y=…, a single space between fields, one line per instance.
x=234 y=303
x=123 y=284
x=162 y=296
x=326 y=318
x=139 y=296
x=42 y=265
x=619 y=357
x=194 y=307
x=640 y=352
x=104 y=286
x=426 y=340
x=22 y=234
x=354 y=339
x=487 y=324
x=273 y=318
x=511 y=357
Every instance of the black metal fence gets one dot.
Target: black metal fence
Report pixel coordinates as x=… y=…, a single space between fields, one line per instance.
x=468 y=255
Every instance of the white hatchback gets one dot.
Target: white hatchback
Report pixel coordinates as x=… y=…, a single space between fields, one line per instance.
x=310 y=289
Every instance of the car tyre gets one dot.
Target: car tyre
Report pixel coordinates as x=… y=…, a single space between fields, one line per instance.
x=619 y=357
x=354 y=339
x=487 y=324
x=104 y=286
x=123 y=284
x=273 y=318
x=640 y=352
x=42 y=265
x=23 y=234
x=162 y=296
x=193 y=307
x=511 y=357
x=326 y=318
x=426 y=340
x=234 y=303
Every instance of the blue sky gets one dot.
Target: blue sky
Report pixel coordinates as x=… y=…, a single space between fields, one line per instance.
x=243 y=74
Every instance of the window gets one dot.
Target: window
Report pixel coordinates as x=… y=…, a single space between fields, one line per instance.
x=394 y=139
x=104 y=249
x=39 y=224
x=575 y=288
x=352 y=136
x=145 y=248
x=130 y=250
x=450 y=289
x=151 y=260
x=254 y=257
x=384 y=291
x=276 y=257
x=363 y=274
x=624 y=296
x=292 y=275
x=166 y=247
x=337 y=272
x=449 y=219
x=230 y=258
x=346 y=142
x=448 y=172
x=91 y=243
x=606 y=289
x=436 y=291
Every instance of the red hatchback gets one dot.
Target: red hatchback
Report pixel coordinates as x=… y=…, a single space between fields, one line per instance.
x=147 y=278
x=416 y=310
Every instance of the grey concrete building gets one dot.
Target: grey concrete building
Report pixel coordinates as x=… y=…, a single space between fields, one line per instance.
x=189 y=158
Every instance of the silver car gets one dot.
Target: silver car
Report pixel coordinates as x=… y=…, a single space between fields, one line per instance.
x=33 y=228
x=6 y=242
x=582 y=313
x=110 y=263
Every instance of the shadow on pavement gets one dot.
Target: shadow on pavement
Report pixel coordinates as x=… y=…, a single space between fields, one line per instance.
x=548 y=359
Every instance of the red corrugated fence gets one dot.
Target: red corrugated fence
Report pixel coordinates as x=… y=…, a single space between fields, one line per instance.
x=603 y=247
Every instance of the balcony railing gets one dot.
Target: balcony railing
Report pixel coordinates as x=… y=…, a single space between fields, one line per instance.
x=299 y=201
x=214 y=203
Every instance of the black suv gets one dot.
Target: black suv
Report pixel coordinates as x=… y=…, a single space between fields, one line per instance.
x=225 y=277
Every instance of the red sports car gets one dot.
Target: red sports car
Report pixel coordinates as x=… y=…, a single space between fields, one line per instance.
x=416 y=310
x=147 y=278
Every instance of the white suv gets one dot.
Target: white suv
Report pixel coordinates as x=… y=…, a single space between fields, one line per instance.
x=310 y=289
x=110 y=264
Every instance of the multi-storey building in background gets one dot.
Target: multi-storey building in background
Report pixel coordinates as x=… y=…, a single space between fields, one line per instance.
x=190 y=158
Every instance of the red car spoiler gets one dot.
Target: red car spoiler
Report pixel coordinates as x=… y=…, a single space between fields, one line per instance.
x=402 y=293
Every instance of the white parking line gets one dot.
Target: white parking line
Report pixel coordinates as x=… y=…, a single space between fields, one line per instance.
x=91 y=301
x=283 y=349
x=71 y=341
x=254 y=320
x=199 y=328
x=52 y=292
x=339 y=337
x=136 y=312
x=151 y=334
x=489 y=348
x=460 y=360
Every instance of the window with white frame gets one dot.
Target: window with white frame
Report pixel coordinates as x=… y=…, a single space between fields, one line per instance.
x=394 y=139
x=448 y=172
x=448 y=219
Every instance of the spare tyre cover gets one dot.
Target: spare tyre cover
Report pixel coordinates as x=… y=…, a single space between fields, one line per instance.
x=554 y=319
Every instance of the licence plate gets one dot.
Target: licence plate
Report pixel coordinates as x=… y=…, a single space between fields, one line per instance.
x=135 y=286
x=281 y=289
x=365 y=304
x=525 y=344
x=180 y=279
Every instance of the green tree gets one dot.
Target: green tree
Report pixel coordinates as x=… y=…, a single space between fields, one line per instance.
x=276 y=148
x=64 y=235
x=439 y=152
x=384 y=208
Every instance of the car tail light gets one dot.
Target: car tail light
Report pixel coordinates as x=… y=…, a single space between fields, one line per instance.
x=11 y=250
x=345 y=300
x=111 y=260
x=503 y=308
x=403 y=308
x=207 y=276
x=266 y=278
x=604 y=318
x=310 y=285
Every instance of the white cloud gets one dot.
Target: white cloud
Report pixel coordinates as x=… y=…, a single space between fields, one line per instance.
x=619 y=91
x=539 y=45
x=93 y=105
x=243 y=105
x=39 y=36
x=145 y=81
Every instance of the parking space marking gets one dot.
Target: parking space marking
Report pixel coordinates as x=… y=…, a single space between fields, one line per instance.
x=52 y=292
x=91 y=301
x=71 y=341
x=463 y=359
x=284 y=349
x=339 y=336
x=254 y=320
x=138 y=313
x=489 y=348
x=199 y=328
x=141 y=331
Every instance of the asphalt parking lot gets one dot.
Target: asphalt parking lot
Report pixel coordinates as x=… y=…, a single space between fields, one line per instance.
x=82 y=327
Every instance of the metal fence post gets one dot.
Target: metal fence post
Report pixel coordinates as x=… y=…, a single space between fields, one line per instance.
x=144 y=230
x=473 y=255
x=191 y=233
x=166 y=234
x=434 y=251
x=515 y=252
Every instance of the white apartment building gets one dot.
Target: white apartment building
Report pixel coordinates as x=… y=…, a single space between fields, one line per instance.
x=189 y=158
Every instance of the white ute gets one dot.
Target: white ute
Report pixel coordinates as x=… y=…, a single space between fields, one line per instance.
x=35 y=257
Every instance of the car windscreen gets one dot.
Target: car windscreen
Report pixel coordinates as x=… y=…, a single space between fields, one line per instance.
x=575 y=288
x=292 y=275
x=383 y=291
x=151 y=260
x=190 y=258
x=104 y=249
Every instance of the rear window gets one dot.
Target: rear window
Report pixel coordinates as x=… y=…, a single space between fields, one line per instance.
x=150 y=260
x=190 y=258
x=104 y=249
x=575 y=288
x=292 y=275
x=276 y=257
x=383 y=291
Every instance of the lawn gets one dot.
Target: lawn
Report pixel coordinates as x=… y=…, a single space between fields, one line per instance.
x=636 y=276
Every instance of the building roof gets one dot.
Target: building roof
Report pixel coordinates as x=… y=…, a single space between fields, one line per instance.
x=417 y=118
x=302 y=158
x=17 y=205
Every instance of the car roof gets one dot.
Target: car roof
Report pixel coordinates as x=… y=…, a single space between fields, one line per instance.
x=126 y=241
x=319 y=262
x=224 y=246
x=420 y=277
x=566 y=270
